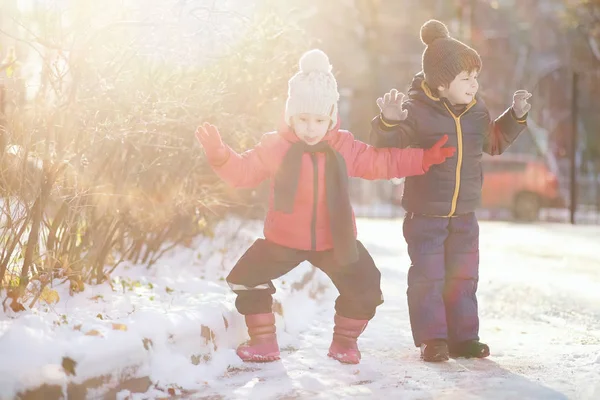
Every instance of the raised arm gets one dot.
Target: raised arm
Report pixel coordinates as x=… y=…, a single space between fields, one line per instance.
x=394 y=126
x=506 y=128
x=368 y=162
x=246 y=170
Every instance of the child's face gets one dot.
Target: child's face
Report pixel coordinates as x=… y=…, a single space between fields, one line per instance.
x=462 y=89
x=310 y=128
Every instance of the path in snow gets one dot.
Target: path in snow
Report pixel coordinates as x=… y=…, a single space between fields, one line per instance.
x=540 y=312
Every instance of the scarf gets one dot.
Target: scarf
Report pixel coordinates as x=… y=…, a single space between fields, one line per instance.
x=338 y=198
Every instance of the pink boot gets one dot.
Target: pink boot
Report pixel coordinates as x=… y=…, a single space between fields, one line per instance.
x=262 y=346
x=345 y=334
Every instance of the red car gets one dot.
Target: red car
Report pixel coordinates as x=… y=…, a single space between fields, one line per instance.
x=521 y=183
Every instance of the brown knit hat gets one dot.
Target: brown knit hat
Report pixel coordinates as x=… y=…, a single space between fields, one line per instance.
x=445 y=57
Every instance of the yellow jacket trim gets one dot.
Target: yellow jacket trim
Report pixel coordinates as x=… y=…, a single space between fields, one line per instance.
x=459 y=153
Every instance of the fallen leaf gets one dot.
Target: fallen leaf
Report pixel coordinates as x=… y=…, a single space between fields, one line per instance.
x=69 y=365
x=147 y=343
x=119 y=327
x=76 y=285
x=16 y=306
x=93 y=332
x=12 y=296
x=77 y=327
x=49 y=296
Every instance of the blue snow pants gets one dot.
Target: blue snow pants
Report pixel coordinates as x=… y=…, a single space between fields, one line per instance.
x=443 y=276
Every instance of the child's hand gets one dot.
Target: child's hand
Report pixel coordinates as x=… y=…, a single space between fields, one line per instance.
x=209 y=137
x=391 y=106
x=520 y=105
x=437 y=154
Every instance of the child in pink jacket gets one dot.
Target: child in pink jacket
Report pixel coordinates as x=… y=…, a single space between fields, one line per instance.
x=310 y=218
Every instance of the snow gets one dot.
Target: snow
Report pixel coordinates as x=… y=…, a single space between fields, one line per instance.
x=539 y=309
x=151 y=320
x=583 y=214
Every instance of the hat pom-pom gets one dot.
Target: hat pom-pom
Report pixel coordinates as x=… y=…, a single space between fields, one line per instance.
x=314 y=60
x=432 y=30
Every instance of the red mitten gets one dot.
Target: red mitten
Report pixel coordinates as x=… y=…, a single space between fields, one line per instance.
x=437 y=154
x=209 y=137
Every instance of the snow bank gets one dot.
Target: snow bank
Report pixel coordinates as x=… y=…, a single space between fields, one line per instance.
x=174 y=323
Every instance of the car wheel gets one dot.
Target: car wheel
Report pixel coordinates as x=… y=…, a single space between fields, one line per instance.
x=527 y=207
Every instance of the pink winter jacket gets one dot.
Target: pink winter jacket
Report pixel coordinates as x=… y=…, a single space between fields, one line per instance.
x=307 y=227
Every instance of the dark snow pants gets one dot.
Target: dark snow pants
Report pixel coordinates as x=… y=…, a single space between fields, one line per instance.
x=443 y=277
x=358 y=284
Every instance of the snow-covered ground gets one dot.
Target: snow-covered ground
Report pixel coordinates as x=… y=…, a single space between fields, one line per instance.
x=174 y=323
x=539 y=307
x=585 y=215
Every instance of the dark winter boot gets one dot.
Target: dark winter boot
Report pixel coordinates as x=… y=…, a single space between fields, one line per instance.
x=470 y=349
x=346 y=331
x=434 y=350
x=262 y=346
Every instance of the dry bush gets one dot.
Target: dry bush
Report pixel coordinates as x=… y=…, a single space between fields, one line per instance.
x=102 y=165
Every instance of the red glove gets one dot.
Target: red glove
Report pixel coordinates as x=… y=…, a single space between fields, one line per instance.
x=209 y=137
x=437 y=154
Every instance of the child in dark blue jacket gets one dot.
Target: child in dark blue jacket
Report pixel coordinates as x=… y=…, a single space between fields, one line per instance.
x=440 y=226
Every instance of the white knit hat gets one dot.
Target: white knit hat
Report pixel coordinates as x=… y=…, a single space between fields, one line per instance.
x=313 y=90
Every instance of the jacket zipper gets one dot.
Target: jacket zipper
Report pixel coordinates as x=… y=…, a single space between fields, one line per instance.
x=313 y=222
x=459 y=155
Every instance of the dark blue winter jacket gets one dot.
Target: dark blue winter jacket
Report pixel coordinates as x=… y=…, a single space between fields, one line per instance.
x=453 y=187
